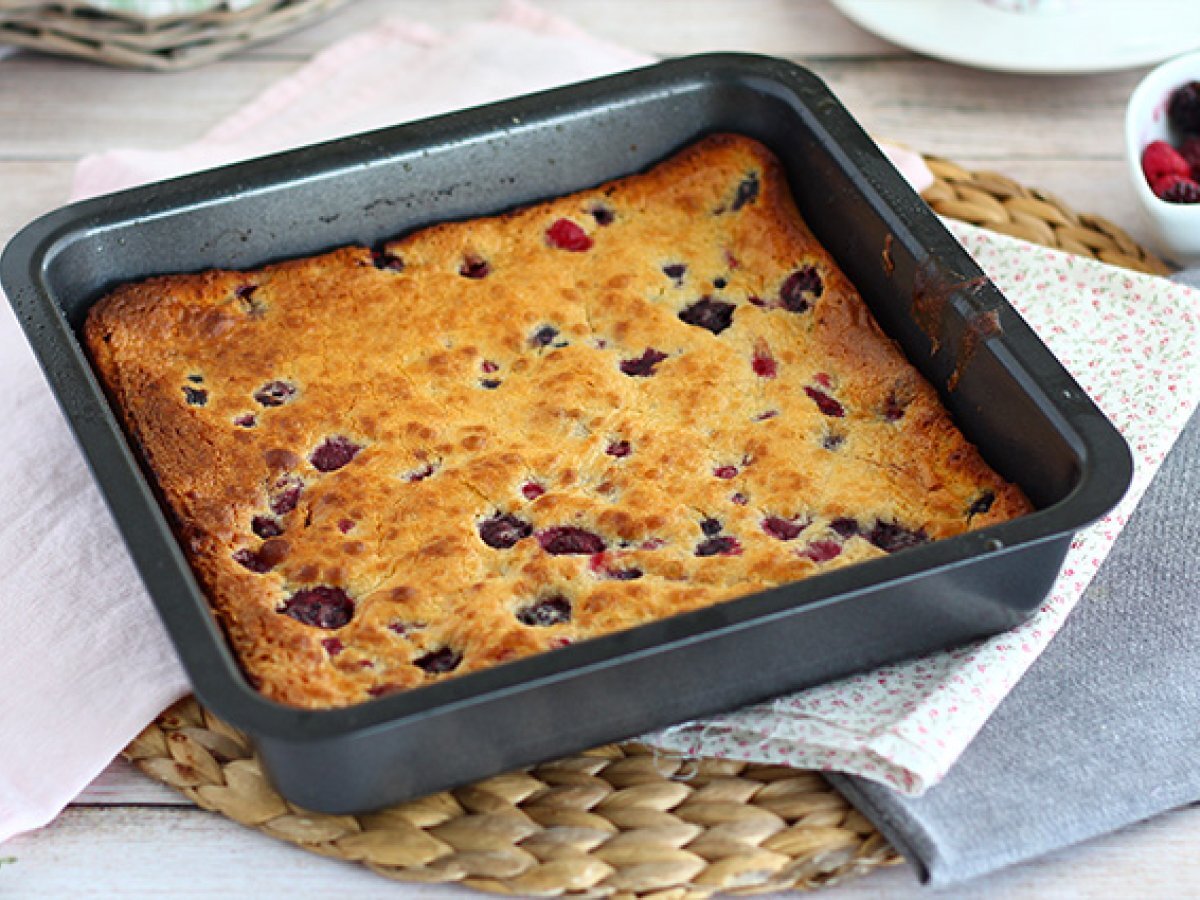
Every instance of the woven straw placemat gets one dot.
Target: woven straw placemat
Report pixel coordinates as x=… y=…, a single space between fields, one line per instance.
x=163 y=43
x=618 y=821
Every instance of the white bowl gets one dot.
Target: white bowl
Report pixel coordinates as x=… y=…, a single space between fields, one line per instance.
x=1175 y=226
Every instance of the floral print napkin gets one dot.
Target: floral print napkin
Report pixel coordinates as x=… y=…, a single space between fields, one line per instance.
x=1131 y=342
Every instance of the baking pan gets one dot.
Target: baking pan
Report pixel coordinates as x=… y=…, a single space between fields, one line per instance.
x=1009 y=395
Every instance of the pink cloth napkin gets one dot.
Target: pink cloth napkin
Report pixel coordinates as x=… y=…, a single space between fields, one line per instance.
x=84 y=662
x=84 y=659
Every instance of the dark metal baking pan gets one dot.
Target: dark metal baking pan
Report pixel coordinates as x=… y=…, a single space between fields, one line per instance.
x=1010 y=396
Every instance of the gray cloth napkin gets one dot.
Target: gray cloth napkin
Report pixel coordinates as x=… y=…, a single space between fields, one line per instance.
x=1104 y=728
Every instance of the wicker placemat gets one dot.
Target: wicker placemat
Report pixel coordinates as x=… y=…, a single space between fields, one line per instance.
x=618 y=821
x=164 y=43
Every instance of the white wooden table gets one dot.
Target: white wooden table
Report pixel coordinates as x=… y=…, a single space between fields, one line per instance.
x=126 y=836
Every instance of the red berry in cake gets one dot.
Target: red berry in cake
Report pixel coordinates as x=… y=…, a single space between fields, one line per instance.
x=643 y=366
x=474 y=267
x=714 y=315
x=321 y=607
x=892 y=536
x=619 y=449
x=1177 y=189
x=249 y=559
x=783 y=529
x=821 y=551
x=285 y=494
x=763 y=363
x=747 y=191
x=333 y=646
x=722 y=545
x=336 y=451
x=844 y=527
x=893 y=409
x=631 y=574
x=248 y=302
x=1183 y=108
x=488 y=367
x=825 y=403
x=981 y=504
x=266 y=527
x=275 y=393
x=245 y=420
x=421 y=473
x=387 y=261
x=440 y=661
x=726 y=472
x=832 y=440
x=546 y=612
x=531 y=490
x=800 y=288
x=543 y=337
x=1160 y=159
x=195 y=396
x=345 y=526
x=566 y=235
x=739 y=499
x=503 y=530
x=566 y=539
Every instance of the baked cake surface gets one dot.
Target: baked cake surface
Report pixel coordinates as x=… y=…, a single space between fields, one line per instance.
x=493 y=438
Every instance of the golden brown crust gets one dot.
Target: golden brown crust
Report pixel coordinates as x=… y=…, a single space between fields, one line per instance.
x=693 y=385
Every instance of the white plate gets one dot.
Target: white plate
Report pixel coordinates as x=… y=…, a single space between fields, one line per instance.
x=1068 y=37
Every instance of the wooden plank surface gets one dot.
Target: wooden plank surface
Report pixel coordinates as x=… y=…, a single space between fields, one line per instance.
x=660 y=27
x=1063 y=134
x=127 y=836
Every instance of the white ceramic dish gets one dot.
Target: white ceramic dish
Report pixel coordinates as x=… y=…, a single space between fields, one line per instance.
x=1062 y=38
x=1175 y=226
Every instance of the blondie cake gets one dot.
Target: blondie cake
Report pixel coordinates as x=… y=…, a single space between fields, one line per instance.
x=489 y=439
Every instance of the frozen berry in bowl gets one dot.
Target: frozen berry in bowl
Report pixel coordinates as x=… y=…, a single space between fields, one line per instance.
x=1183 y=108
x=1160 y=159
x=1162 y=149
x=1177 y=189
x=1190 y=151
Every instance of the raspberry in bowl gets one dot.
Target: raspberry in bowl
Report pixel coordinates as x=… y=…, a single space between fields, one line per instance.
x=1162 y=142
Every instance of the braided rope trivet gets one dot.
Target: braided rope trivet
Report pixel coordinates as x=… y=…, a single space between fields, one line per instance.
x=619 y=821
x=998 y=203
x=614 y=821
